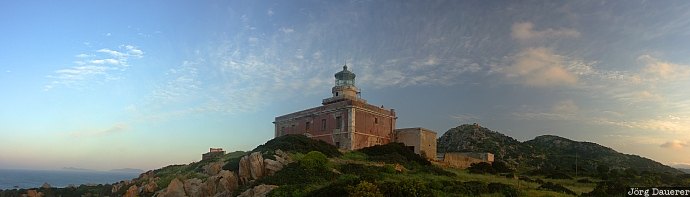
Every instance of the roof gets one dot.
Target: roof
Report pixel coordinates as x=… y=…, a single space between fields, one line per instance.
x=345 y=74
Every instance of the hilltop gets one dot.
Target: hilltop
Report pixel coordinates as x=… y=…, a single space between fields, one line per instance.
x=545 y=154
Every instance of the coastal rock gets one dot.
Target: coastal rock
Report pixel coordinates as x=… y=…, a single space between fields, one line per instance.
x=149 y=187
x=175 y=189
x=272 y=166
x=224 y=182
x=120 y=185
x=213 y=168
x=193 y=187
x=258 y=191
x=133 y=191
x=244 y=171
x=34 y=193
x=228 y=180
x=256 y=164
x=45 y=186
x=147 y=175
x=282 y=157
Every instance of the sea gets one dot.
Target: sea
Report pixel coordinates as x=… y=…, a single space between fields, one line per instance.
x=18 y=179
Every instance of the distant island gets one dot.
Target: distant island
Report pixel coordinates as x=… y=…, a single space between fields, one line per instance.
x=128 y=170
x=76 y=169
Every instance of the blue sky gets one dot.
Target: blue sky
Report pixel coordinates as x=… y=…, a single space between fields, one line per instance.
x=102 y=85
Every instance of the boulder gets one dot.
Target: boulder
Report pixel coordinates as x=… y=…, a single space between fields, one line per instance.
x=133 y=191
x=149 y=187
x=193 y=187
x=258 y=191
x=175 y=189
x=272 y=166
x=244 y=171
x=228 y=181
x=146 y=175
x=120 y=185
x=33 y=193
x=256 y=165
x=213 y=168
x=283 y=156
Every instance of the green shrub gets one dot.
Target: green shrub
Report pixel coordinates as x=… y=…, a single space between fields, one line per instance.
x=338 y=187
x=314 y=161
x=481 y=168
x=306 y=171
x=556 y=188
x=504 y=189
x=298 y=143
x=558 y=175
x=370 y=173
x=394 y=153
x=364 y=189
x=405 y=188
x=355 y=155
x=232 y=164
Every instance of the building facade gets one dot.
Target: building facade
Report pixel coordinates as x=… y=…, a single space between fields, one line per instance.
x=344 y=119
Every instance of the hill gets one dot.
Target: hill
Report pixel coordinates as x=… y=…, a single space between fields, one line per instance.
x=545 y=154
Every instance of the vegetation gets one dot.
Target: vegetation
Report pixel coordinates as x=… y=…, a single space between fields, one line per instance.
x=548 y=154
x=394 y=170
x=298 y=143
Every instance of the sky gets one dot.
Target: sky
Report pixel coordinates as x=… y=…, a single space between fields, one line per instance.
x=145 y=84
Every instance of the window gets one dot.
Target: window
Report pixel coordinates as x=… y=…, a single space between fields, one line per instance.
x=323 y=124
x=376 y=120
x=292 y=128
x=337 y=144
x=336 y=93
x=338 y=122
x=307 y=126
x=282 y=130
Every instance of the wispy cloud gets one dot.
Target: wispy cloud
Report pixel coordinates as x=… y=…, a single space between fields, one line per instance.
x=431 y=70
x=465 y=118
x=116 y=128
x=540 y=67
x=561 y=110
x=101 y=66
x=525 y=31
x=675 y=144
x=673 y=125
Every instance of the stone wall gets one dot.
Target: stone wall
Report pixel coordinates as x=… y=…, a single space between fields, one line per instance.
x=464 y=160
x=423 y=140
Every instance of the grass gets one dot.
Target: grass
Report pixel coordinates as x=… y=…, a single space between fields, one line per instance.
x=529 y=188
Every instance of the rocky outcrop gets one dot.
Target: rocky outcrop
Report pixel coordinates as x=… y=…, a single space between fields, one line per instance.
x=33 y=193
x=133 y=191
x=120 y=185
x=272 y=166
x=213 y=168
x=258 y=191
x=244 y=171
x=175 y=189
x=254 y=166
x=225 y=181
x=149 y=187
x=193 y=187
